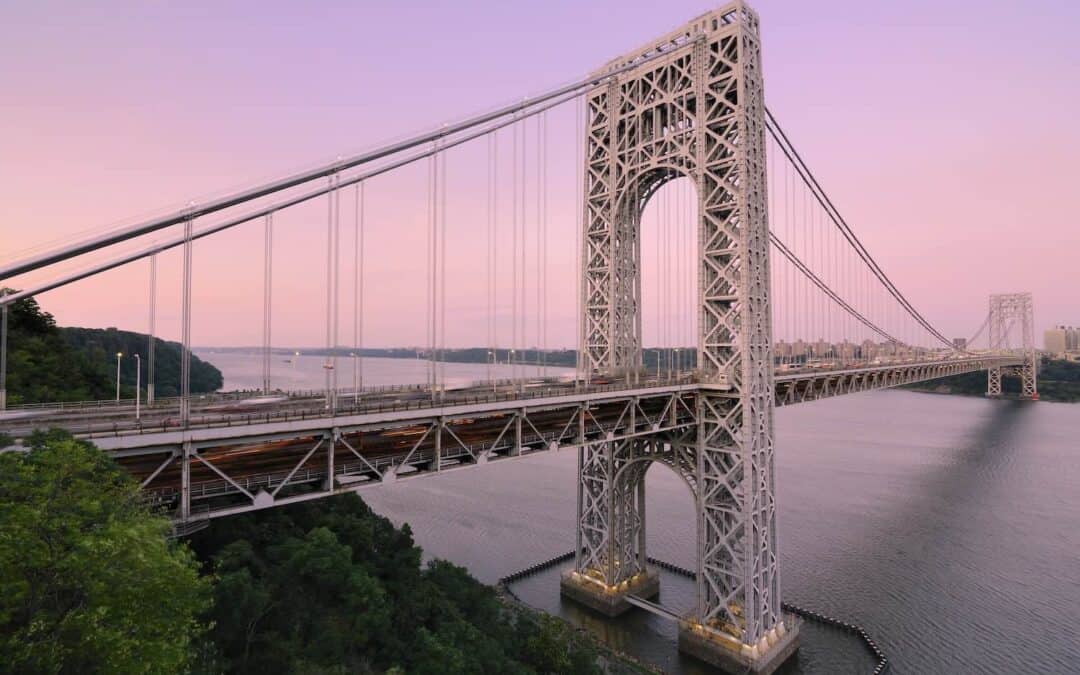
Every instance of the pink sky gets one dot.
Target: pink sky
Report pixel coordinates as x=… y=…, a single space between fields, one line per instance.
x=945 y=132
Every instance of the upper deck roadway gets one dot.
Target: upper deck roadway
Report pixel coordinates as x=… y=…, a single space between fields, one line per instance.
x=242 y=453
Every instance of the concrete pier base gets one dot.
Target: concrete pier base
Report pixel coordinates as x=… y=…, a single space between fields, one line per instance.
x=731 y=656
x=609 y=600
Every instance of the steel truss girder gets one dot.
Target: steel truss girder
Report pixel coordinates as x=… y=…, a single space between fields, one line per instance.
x=698 y=113
x=814 y=386
x=437 y=445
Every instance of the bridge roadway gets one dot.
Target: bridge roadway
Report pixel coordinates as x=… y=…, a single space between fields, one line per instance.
x=245 y=454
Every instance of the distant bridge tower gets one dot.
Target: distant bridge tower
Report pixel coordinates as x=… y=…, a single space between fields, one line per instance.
x=696 y=113
x=1007 y=312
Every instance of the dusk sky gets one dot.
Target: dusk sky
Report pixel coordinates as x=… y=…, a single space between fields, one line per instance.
x=944 y=131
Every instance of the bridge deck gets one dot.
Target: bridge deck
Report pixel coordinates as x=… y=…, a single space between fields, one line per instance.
x=247 y=454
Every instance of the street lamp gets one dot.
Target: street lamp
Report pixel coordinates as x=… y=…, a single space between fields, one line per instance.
x=118 y=355
x=138 y=383
x=513 y=368
x=355 y=379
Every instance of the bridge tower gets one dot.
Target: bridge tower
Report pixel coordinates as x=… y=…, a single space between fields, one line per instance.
x=697 y=113
x=1007 y=311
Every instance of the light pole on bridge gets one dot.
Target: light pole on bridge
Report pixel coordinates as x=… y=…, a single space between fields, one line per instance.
x=118 y=356
x=138 y=384
x=3 y=355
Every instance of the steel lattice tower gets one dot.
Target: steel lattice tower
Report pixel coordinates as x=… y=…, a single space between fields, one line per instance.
x=1007 y=311
x=696 y=113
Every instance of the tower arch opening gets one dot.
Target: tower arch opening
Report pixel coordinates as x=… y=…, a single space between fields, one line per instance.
x=667 y=219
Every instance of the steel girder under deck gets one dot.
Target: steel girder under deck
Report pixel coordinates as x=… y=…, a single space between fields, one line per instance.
x=804 y=387
x=205 y=473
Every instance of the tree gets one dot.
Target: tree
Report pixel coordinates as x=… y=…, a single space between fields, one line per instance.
x=328 y=586
x=89 y=581
x=47 y=363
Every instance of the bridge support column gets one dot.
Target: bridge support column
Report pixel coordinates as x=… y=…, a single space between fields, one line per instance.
x=611 y=561
x=518 y=428
x=437 y=460
x=185 y=481
x=328 y=484
x=993 y=382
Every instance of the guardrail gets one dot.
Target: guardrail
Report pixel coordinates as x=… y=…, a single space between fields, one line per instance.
x=90 y=430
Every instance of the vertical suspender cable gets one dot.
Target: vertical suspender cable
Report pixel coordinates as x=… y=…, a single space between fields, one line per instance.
x=808 y=301
x=433 y=277
x=358 y=296
x=489 y=280
x=329 y=291
x=543 y=281
x=523 y=334
x=268 y=234
x=335 y=337
x=513 y=256
x=539 y=236
x=150 y=340
x=790 y=295
x=494 y=289
x=428 y=263
x=185 y=331
x=442 y=278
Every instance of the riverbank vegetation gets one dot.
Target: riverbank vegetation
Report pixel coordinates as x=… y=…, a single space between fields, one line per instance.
x=1058 y=381
x=48 y=363
x=90 y=583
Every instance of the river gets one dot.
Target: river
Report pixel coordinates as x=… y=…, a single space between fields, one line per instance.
x=948 y=527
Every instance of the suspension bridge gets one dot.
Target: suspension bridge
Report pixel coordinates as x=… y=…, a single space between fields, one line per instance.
x=682 y=177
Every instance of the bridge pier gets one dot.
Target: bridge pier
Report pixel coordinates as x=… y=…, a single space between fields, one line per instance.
x=732 y=656
x=609 y=599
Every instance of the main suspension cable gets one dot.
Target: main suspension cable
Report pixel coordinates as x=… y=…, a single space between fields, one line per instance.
x=811 y=182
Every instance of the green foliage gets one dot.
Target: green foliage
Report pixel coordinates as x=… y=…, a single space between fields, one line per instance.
x=100 y=345
x=329 y=586
x=47 y=363
x=88 y=580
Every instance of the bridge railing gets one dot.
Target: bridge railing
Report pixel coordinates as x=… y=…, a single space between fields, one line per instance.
x=134 y=427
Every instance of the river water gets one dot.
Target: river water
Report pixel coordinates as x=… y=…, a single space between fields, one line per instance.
x=948 y=527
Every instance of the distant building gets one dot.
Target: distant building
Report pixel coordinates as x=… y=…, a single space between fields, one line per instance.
x=959 y=344
x=1061 y=342
x=869 y=349
x=799 y=348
